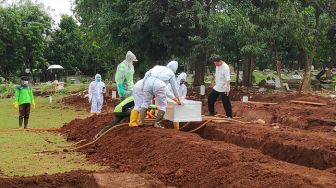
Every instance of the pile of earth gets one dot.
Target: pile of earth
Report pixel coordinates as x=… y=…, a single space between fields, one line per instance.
x=198 y=160
x=83 y=179
x=80 y=101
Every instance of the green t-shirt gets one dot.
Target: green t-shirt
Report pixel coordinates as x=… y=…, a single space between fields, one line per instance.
x=24 y=94
x=120 y=106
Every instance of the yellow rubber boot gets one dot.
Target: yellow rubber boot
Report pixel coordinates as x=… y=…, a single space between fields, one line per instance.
x=134 y=118
x=176 y=125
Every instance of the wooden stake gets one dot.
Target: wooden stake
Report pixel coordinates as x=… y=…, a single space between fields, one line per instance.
x=311 y=103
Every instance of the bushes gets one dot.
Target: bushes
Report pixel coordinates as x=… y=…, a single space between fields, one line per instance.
x=7 y=90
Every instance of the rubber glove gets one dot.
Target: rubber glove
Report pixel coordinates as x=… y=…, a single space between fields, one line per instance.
x=177 y=101
x=16 y=105
x=34 y=105
x=90 y=98
x=121 y=90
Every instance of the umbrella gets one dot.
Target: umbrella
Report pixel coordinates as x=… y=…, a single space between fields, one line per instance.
x=55 y=67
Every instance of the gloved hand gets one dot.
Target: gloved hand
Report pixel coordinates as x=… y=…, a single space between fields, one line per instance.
x=34 y=105
x=177 y=101
x=121 y=90
x=90 y=98
x=16 y=105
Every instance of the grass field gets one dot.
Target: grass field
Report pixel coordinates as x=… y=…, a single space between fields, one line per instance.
x=25 y=153
x=45 y=115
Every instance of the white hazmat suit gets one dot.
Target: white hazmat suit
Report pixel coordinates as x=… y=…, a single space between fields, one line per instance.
x=155 y=83
x=182 y=88
x=96 y=97
x=138 y=95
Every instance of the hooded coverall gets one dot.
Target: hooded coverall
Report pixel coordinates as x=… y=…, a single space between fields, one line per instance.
x=182 y=88
x=155 y=83
x=96 y=97
x=124 y=75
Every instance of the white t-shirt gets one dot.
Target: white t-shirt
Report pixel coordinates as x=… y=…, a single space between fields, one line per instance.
x=222 y=76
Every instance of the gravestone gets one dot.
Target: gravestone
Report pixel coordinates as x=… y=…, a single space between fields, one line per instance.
x=277 y=82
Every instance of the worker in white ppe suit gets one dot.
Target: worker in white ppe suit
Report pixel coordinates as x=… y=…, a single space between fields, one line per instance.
x=182 y=88
x=96 y=91
x=182 y=92
x=124 y=75
x=155 y=83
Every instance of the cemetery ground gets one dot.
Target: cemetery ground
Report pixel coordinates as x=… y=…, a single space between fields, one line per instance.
x=274 y=141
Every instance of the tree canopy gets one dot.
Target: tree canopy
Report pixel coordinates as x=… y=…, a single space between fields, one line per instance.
x=249 y=34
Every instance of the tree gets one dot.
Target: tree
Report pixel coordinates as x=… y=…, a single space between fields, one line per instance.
x=65 y=45
x=23 y=37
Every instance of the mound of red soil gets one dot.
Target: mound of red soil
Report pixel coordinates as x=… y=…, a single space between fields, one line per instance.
x=70 y=179
x=79 y=101
x=83 y=179
x=304 y=148
x=187 y=160
x=89 y=126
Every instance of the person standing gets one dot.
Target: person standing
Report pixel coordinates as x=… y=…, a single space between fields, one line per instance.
x=23 y=100
x=96 y=94
x=124 y=75
x=221 y=88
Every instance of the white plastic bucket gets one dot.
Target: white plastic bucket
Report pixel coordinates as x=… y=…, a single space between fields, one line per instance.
x=245 y=98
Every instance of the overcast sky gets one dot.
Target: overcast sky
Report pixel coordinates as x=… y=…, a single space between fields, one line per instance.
x=55 y=7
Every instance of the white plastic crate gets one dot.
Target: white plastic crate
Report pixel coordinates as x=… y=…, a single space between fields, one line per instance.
x=190 y=111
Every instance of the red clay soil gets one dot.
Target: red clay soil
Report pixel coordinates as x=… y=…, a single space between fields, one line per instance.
x=83 y=179
x=187 y=160
x=70 y=179
x=80 y=102
x=317 y=150
x=287 y=114
x=89 y=126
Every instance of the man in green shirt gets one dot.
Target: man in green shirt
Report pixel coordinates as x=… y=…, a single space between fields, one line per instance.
x=23 y=100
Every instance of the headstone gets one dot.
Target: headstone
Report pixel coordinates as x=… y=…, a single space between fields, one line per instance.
x=202 y=90
x=277 y=82
x=262 y=89
x=114 y=94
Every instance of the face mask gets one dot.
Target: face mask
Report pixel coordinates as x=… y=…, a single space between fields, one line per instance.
x=25 y=82
x=182 y=82
x=98 y=79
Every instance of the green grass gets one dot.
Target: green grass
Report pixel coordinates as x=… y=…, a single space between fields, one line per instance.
x=45 y=115
x=27 y=153
x=24 y=153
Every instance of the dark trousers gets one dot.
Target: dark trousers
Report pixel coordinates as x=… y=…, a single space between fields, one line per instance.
x=24 y=111
x=212 y=98
x=118 y=117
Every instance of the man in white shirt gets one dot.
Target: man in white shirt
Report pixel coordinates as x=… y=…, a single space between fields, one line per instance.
x=222 y=87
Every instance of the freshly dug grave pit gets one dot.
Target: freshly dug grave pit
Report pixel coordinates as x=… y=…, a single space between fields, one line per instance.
x=304 y=148
x=287 y=114
x=83 y=179
x=186 y=160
